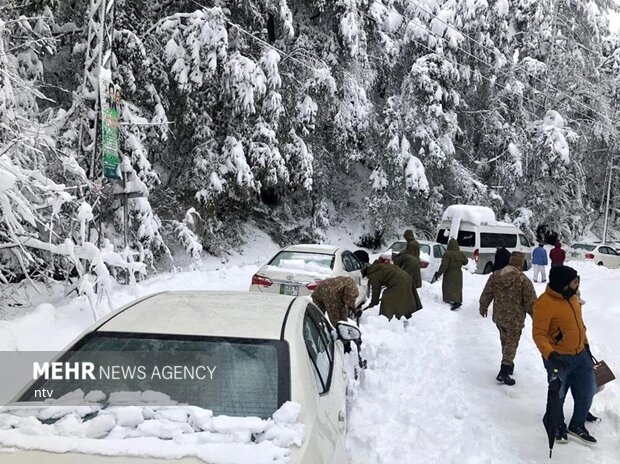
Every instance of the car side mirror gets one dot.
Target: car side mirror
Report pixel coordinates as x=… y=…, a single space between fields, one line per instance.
x=347 y=331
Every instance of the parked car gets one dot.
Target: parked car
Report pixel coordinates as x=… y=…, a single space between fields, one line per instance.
x=270 y=349
x=297 y=270
x=430 y=255
x=478 y=237
x=601 y=254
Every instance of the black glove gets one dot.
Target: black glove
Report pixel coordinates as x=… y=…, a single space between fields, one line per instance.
x=556 y=361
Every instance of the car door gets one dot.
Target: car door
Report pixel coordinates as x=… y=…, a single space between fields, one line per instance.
x=608 y=256
x=353 y=269
x=438 y=251
x=614 y=258
x=326 y=357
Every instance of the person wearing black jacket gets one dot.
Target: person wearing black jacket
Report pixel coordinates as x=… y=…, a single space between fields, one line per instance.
x=502 y=256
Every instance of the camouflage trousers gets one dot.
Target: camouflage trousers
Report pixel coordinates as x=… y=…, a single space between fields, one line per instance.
x=509 y=336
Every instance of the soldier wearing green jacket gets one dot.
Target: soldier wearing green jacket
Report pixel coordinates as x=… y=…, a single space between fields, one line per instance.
x=451 y=263
x=409 y=261
x=397 y=299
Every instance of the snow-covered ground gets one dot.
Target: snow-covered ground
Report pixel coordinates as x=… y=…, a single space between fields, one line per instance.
x=429 y=394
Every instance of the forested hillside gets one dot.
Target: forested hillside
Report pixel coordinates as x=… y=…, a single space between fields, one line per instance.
x=298 y=114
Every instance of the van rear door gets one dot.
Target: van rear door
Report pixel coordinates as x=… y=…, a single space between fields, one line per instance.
x=465 y=238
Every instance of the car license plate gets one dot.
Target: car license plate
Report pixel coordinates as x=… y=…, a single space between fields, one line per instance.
x=292 y=290
x=574 y=255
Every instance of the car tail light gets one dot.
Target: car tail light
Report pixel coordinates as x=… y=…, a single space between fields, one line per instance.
x=589 y=256
x=476 y=255
x=261 y=280
x=313 y=285
x=424 y=264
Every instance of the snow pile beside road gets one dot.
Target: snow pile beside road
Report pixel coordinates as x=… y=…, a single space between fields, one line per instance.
x=156 y=432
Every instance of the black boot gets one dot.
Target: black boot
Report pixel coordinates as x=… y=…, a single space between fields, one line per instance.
x=504 y=375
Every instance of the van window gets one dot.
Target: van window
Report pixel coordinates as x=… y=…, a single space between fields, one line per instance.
x=524 y=241
x=490 y=240
x=464 y=238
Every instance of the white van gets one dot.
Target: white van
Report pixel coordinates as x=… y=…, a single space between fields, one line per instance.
x=478 y=233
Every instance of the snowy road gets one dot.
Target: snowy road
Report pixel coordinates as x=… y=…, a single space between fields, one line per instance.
x=429 y=394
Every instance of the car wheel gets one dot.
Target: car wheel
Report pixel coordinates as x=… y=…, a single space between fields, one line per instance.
x=525 y=265
x=600 y=263
x=488 y=268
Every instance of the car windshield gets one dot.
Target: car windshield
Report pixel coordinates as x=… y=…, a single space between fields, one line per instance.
x=302 y=261
x=230 y=376
x=583 y=246
x=399 y=246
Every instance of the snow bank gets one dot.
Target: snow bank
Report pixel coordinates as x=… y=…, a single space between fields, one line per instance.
x=157 y=432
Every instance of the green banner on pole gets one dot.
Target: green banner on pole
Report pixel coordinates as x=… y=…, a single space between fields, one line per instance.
x=110 y=95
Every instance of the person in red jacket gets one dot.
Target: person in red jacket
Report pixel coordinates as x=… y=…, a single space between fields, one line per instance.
x=557 y=255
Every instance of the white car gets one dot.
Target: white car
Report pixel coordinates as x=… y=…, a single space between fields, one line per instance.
x=603 y=255
x=269 y=349
x=430 y=255
x=297 y=270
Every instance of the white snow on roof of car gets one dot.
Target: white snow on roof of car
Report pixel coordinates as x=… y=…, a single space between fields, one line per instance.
x=206 y=313
x=313 y=248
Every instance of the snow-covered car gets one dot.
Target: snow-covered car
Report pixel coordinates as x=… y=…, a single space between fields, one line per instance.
x=601 y=254
x=270 y=352
x=297 y=270
x=430 y=255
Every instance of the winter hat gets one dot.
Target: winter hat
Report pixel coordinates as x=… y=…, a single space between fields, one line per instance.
x=408 y=235
x=501 y=243
x=517 y=259
x=560 y=277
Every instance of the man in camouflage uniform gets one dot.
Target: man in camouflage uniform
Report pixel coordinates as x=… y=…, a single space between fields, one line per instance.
x=513 y=295
x=337 y=297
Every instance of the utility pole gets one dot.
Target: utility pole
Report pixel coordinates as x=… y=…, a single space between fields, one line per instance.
x=610 y=175
x=98 y=55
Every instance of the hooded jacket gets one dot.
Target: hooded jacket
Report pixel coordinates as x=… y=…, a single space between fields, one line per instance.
x=451 y=263
x=558 y=324
x=397 y=299
x=409 y=261
x=512 y=294
x=557 y=255
x=502 y=257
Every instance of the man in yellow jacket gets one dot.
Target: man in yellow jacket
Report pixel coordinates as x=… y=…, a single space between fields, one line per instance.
x=560 y=335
